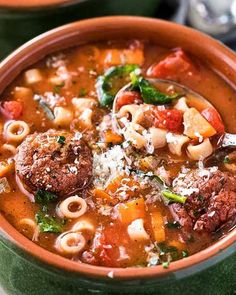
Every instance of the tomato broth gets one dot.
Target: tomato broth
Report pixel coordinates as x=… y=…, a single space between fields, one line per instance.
x=123 y=185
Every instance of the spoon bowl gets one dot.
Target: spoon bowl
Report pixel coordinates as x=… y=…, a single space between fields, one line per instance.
x=226 y=142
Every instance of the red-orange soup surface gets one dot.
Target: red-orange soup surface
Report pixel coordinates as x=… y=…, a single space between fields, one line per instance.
x=121 y=182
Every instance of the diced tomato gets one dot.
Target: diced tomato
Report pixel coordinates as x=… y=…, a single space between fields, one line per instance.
x=100 y=249
x=12 y=109
x=173 y=66
x=128 y=97
x=171 y=120
x=214 y=118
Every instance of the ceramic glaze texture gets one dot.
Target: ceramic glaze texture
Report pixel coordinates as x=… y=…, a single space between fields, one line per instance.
x=14 y=21
x=27 y=269
x=19 y=275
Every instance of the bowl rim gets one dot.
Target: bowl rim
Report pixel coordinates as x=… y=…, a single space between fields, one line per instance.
x=36 y=46
x=26 y=6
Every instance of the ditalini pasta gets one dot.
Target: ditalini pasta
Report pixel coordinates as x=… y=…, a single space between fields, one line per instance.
x=102 y=166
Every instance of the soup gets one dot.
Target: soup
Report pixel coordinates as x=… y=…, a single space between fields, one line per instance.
x=114 y=176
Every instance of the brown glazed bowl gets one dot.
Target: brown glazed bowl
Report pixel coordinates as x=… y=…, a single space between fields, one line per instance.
x=39 y=16
x=27 y=269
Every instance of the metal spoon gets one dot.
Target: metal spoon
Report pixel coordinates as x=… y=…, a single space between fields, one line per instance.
x=226 y=142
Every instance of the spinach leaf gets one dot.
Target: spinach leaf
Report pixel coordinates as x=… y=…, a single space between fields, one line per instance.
x=47 y=223
x=104 y=84
x=173 y=225
x=149 y=93
x=61 y=139
x=44 y=198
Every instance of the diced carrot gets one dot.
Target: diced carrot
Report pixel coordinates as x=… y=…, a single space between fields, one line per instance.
x=158 y=226
x=135 y=56
x=132 y=210
x=112 y=137
x=114 y=184
x=119 y=182
x=195 y=124
x=102 y=195
x=5 y=168
x=213 y=117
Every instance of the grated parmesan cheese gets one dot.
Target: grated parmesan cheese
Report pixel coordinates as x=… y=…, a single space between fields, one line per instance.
x=107 y=165
x=51 y=99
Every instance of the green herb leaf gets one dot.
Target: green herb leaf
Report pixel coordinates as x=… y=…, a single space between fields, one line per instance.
x=47 y=223
x=83 y=92
x=149 y=93
x=185 y=253
x=44 y=198
x=173 y=225
x=165 y=264
x=200 y=198
x=226 y=160
x=57 y=88
x=173 y=197
x=104 y=83
x=61 y=139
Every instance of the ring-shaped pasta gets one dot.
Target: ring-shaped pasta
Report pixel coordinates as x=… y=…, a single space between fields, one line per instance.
x=6 y=147
x=83 y=225
x=85 y=119
x=70 y=243
x=176 y=145
x=63 y=116
x=28 y=222
x=200 y=151
x=132 y=133
x=157 y=137
x=181 y=104
x=129 y=109
x=16 y=131
x=64 y=208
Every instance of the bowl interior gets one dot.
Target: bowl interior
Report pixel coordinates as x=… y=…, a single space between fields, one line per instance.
x=218 y=57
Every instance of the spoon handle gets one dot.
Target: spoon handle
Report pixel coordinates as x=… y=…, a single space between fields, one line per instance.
x=229 y=140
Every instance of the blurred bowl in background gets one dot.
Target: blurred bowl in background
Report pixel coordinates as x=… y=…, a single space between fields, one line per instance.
x=21 y=20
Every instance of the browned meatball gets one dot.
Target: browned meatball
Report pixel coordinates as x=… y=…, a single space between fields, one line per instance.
x=55 y=161
x=211 y=204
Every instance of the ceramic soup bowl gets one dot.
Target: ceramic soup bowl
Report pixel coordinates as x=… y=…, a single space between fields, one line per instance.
x=27 y=269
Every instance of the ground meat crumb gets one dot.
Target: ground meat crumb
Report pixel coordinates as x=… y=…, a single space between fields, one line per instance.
x=47 y=161
x=212 y=202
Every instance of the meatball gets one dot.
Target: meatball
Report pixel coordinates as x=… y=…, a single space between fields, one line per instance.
x=211 y=202
x=55 y=161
